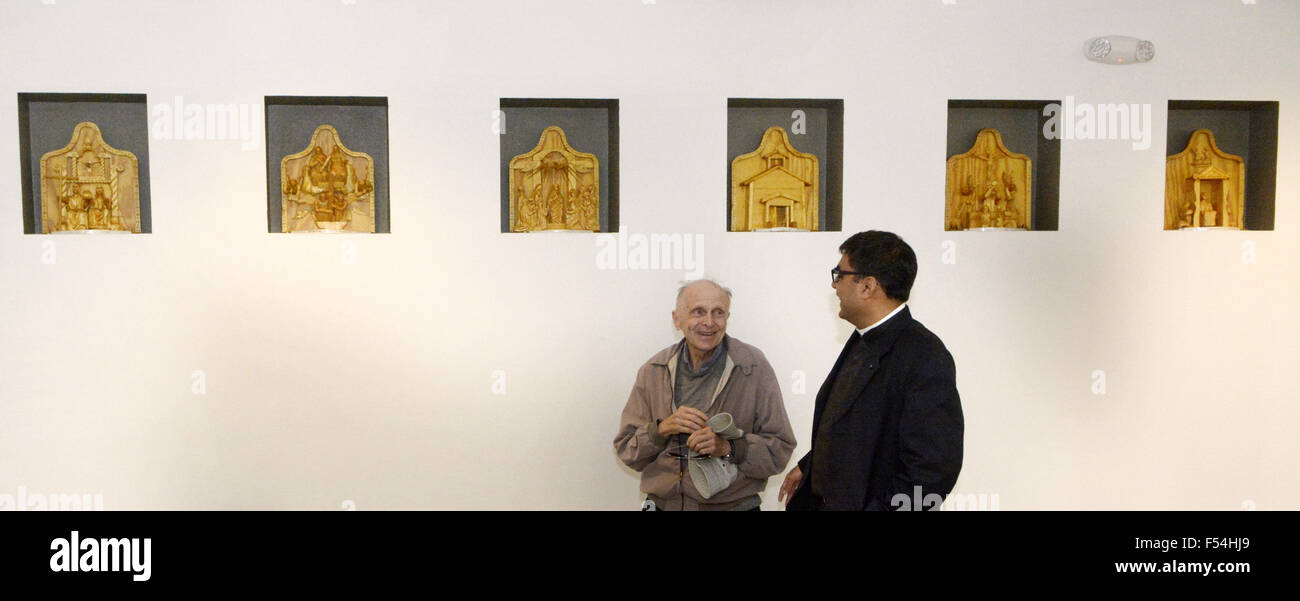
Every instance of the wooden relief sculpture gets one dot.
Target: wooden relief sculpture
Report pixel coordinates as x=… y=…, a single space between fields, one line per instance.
x=1204 y=186
x=554 y=187
x=327 y=187
x=989 y=187
x=774 y=188
x=89 y=185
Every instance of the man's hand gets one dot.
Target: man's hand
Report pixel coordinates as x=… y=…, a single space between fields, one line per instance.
x=685 y=420
x=706 y=442
x=790 y=485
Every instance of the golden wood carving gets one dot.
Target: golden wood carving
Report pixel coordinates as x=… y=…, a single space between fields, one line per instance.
x=1204 y=186
x=89 y=185
x=554 y=187
x=988 y=186
x=774 y=187
x=327 y=187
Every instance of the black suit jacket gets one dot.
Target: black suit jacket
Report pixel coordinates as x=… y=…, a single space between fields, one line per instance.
x=900 y=428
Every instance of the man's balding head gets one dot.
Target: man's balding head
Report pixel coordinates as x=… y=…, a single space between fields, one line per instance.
x=704 y=284
x=703 y=307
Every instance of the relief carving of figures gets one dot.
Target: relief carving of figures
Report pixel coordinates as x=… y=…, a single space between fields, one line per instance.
x=988 y=186
x=775 y=187
x=89 y=185
x=1204 y=186
x=327 y=187
x=554 y=187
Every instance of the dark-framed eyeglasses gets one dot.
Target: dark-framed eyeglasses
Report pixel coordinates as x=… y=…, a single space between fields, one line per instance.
x=688 y=455
x=678 y=449
x=837 y=273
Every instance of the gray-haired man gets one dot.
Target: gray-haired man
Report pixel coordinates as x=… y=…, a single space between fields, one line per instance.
x=705 y=424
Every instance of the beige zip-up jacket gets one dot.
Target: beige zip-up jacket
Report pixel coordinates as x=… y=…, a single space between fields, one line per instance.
x=748 y=390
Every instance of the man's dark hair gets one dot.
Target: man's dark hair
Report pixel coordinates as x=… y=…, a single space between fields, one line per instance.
x=884 y=256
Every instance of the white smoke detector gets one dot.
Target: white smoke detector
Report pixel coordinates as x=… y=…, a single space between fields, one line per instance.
x=1119 y=50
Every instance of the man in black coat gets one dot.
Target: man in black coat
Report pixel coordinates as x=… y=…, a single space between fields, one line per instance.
x=887 y=428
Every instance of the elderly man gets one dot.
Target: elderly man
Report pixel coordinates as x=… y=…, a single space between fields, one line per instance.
x=705 y=424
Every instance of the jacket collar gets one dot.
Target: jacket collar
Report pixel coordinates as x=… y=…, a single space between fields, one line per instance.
x=882 y=337
x=878 y=340
x=894 y=312
x=740 y=354
x=736 y=351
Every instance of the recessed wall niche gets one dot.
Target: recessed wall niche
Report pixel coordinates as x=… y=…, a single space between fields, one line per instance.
x=1002 y=172
x=327 y=164
x=85 y=163
x=784 y=164
x=1221 y=165
x=558 y=164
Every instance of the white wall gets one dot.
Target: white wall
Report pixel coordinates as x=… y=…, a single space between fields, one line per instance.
x=371 y=382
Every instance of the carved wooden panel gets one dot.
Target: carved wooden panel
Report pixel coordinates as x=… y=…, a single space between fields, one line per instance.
x=775 y=187
x=327 y=187
x=554 y=187
x=89 y=185
x=988 y=187
x=1204 y=186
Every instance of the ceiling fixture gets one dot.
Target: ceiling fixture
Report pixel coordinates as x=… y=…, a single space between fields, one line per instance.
x=1119 y=50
